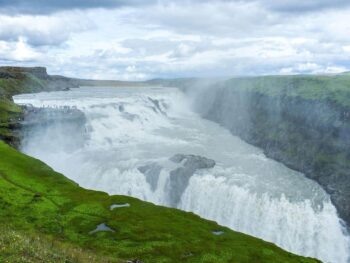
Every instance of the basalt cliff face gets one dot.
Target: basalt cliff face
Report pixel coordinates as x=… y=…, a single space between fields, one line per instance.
x=301 y=121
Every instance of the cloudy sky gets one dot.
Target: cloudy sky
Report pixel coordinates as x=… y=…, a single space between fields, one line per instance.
x=143 y=39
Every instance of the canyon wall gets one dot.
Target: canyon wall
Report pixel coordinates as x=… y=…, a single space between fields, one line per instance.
x=301 y=121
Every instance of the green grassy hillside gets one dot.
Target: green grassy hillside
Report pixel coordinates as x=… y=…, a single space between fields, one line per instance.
x=50 y=218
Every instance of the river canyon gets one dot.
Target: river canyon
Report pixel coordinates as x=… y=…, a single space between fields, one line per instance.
x=150 y=143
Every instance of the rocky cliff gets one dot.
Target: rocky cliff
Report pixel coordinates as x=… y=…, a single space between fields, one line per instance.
x=39 y=72
x=15 y=80
x=302 y=121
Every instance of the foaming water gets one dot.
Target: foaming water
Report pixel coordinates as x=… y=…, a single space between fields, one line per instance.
x=128 y=139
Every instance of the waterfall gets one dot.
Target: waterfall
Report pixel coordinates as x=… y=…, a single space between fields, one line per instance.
x=148 y=143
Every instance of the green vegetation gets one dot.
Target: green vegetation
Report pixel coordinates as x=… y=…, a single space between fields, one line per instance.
x=52 y=217
x=31 y=247
x=334 y=88
x=10 y=113
x=297 y=131
x=24 y=83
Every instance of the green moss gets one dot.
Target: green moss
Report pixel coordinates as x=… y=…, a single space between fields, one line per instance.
x=21 y=83
x=35 y=199
x=18 y=246
x=335 y=88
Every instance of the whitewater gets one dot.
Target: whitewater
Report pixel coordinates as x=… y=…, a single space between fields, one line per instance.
x=125 y=147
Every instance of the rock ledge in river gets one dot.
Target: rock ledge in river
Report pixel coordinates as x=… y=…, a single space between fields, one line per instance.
x=180 y=177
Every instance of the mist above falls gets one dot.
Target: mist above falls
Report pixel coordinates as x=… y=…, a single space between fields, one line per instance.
x=127 y=146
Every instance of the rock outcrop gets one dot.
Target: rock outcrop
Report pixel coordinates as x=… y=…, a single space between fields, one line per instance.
x=45 y=116
x=152 y=172
x=16 y=80
x=39 y=72
x=180 y=177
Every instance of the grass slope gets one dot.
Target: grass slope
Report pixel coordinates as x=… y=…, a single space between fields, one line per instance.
x=52 y=217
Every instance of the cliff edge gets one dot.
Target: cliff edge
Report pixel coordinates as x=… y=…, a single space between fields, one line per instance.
x=16 y=80
x=301 y=121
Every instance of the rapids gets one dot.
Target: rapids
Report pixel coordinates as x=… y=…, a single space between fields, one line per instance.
x=130 y=128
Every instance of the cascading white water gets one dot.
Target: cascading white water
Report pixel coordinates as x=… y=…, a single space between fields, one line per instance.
x=130 y=128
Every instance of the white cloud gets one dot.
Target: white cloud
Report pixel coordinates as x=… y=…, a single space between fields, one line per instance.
x=194 y=38
x=43 y=29
x=18 y=51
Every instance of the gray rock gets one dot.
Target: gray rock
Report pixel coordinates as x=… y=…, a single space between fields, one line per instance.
x=134 y=261
x=218 y=232
x=101 y=228
x=193 y=161
x=157 y=106
x=179 y=178
x=114 y=206
x=151 y=172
